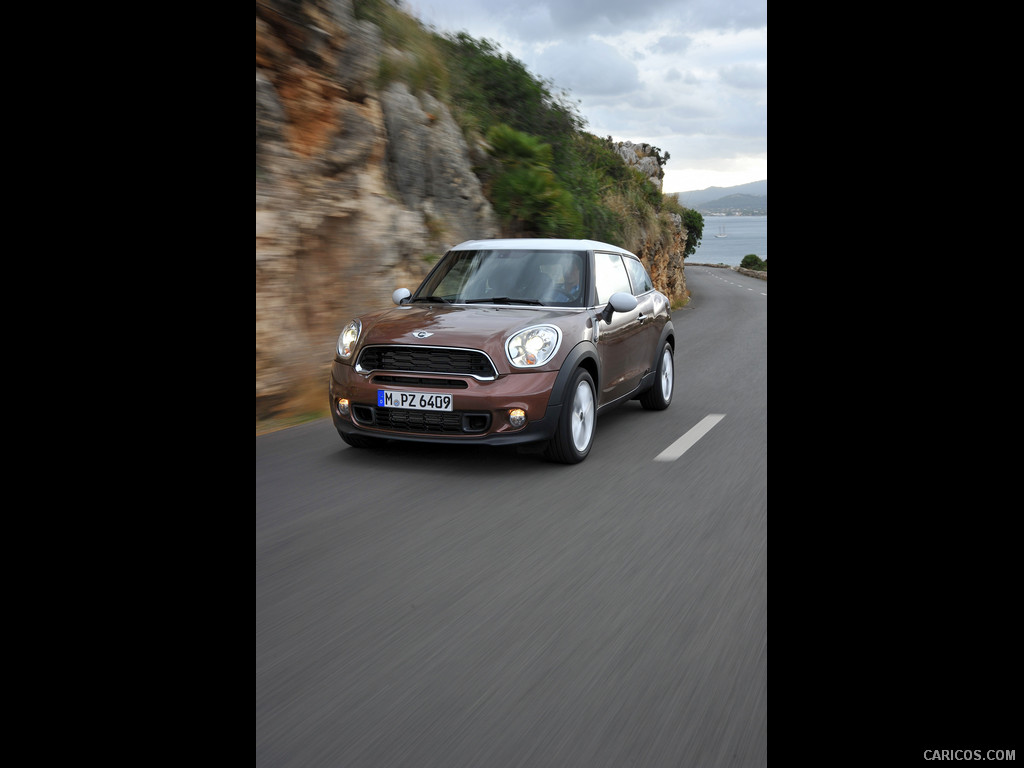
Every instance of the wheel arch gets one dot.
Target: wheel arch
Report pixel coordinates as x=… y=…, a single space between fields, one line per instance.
x=668 y=334
x=583 y=355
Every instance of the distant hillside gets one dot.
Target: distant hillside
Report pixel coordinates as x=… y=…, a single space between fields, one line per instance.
x=744 y=199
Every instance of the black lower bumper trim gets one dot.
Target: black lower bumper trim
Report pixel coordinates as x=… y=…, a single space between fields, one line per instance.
x=536 y=431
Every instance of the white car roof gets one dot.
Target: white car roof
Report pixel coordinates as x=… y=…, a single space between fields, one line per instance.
x=539 y=244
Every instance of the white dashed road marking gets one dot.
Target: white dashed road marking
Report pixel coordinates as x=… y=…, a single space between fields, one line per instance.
x=686 y=442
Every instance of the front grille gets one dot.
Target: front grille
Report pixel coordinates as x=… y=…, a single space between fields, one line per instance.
x=444 y=360
x=426 y=422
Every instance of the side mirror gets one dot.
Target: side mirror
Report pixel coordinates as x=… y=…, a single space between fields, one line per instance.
x=400 y=295
x=623 y=302
x=619 y=302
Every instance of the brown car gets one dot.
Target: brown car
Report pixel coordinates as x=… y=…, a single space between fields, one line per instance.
x=507 y=342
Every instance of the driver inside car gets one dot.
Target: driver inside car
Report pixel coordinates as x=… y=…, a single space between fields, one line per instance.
x=571 y=281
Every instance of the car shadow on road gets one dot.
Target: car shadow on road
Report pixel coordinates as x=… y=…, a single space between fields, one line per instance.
x=427 y=456
x=485 y=459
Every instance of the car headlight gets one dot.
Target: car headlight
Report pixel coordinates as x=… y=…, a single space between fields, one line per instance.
x=348 y=338
x=534 y=346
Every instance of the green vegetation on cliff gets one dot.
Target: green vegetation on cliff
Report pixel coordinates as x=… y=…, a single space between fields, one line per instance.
x=543 y=173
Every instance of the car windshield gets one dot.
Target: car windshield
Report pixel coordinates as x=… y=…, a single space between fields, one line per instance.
x=508 y=276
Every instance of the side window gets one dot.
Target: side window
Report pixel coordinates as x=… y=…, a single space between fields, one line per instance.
x=610 y=276
x=638 y=276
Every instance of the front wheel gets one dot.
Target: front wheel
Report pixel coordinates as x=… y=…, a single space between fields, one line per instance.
x=575 y=432
x=659 y=396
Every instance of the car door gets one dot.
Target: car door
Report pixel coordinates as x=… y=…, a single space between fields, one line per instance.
x=652 y=315
x=619 y=338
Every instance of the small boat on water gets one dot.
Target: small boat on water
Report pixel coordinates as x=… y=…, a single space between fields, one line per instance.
x=721 y=233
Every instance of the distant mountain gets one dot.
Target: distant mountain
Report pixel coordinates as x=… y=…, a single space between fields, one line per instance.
x=744 y=199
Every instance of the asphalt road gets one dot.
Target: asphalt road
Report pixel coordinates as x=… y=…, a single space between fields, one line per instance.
x=476 y=607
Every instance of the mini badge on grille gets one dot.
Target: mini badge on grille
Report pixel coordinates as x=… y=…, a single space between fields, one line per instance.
x=421 y=334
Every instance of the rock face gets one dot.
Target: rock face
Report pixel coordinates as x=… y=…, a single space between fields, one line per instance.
x=357 y=193
x=644 y=158
x=664 y=260
x=429 y=165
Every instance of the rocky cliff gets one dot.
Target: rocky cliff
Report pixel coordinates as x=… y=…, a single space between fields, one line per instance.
x=357 y=193
x=644 y=158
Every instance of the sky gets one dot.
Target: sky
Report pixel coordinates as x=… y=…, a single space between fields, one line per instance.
x=688 y=76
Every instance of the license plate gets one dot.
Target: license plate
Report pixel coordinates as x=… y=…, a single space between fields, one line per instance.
x=415 y=401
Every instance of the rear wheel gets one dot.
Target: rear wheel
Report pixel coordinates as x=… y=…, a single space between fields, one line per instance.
x=575 y=432
x=659 y=396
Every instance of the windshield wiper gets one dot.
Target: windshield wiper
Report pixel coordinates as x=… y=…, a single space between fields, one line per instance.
x=439 y=299
x=504 y=300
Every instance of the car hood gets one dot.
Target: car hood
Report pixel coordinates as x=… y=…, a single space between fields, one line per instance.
x=473 y=327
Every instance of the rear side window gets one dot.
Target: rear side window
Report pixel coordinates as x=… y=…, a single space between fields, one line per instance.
x=638 y=276
x=610 y=276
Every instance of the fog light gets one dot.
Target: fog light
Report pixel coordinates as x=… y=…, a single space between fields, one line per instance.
x=517 y=417
x=342 y=406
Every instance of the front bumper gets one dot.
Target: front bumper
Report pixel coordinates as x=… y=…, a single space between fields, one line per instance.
x=480 y=412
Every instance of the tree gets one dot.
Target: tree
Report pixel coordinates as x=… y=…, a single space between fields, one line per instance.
x=694 y=224
x=751 y=261
x=524 y=189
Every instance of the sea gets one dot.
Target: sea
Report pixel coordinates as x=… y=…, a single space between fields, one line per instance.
x=743 y=235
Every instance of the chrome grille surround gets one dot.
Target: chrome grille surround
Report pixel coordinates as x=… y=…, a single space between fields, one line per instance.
x=433 y=360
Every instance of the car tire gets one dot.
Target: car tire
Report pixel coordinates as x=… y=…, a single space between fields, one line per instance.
x=658 y=397
x=574 y=434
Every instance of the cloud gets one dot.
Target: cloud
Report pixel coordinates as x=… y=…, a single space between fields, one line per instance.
x=689 y=76
x=589 y=68
x=748 y=77
x=566 y=19
x=672 y=45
